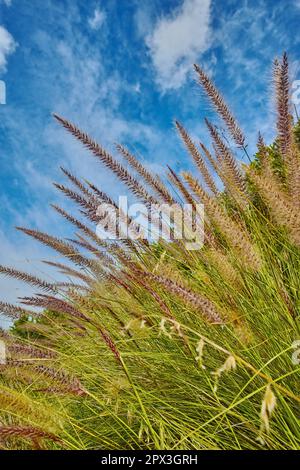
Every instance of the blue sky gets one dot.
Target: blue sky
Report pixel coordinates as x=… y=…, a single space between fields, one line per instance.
x=122 y=70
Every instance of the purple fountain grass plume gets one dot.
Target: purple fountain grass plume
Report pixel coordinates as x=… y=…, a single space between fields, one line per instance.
x=134 y=227
x=206 y=307
x=284 y=212
x=61 y=306
x=152 y=180
x=153 y=294
x=28 y=432
x=27 y=278
x=64 y=269
x=227 y=158
x=15 y=312
x=61 y=286
x=66 y=249
x=69 y=383
x=89 y=205
x=224 y=172
x=289 y=149
x=284 y=122
x=236 y=235
x=82 y=227
x=221 y=107
x=31 y=351
x=208 y=236
x=91 y=210
x=228 y=180
x=76 y=182
x=107 y=160
x=55 y=304
x=107 y=261
x=213 y=163
x=260 y=142
x=101 y=194
x=175 y=179
x=197 y=157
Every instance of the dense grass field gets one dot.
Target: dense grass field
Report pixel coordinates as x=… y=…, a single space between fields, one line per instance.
x=150 y=345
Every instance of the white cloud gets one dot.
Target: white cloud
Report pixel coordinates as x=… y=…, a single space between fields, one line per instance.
x=97 y=20
x=176 y=42
x=6 y=2
x=7 y=46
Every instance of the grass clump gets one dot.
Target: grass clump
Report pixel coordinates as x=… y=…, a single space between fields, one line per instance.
x=149 y=345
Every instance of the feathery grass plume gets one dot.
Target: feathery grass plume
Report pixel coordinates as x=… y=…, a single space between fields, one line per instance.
x=26 y=432
x=152 y=180
x=207 y=307
x=55 y=304
x=221 y=107
x=89 y=205
x=28 y=350
x=199 y=350
x=294 y=174
x=260 y=142
x=134 y=227
x=153 y=294
x=284 y=122
x=218 y=258
x=197 y=157
x=283 y=211
x=62 y=286
x=76 y=182
x=27 y=278
x=263 y=154
x=64 y=269
x=66 y=249
x=101 y=194
x=227 y=158
x=230 y=188
x=83 y=243
x=229 y=364
x=289 y=149
x=25 y=408
x=267 y=408
x=107 y=160
x=61 y=306
x=210 y=158
x=91 y=211
x=110 y=343
x=235 y=235
x=66 y=381
x=92 y=200
x=15 y=312
x=82 y=227
x=175 y=179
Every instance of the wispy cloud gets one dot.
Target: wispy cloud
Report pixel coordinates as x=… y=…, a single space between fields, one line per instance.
x=177 y=40
x=7 y=47
x=97 y=20
x=6 y=2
